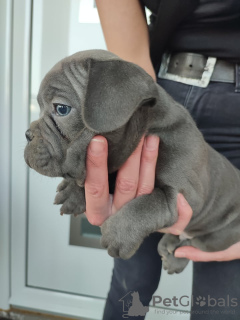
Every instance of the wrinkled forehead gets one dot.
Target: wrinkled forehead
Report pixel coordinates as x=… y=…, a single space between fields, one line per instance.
x=69 y=76
x=54 y=83
x=58 y=82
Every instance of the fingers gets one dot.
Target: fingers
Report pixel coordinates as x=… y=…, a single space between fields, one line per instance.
x=184 y=216
x=127 y=179
x=96 y=184
x=148 y=165
x=135 y=177
x=194 y=254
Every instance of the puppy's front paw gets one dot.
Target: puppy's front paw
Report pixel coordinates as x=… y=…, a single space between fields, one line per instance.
x=71 y=196
x=121 y=238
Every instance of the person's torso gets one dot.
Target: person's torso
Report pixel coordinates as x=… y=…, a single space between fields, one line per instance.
x=213 y=29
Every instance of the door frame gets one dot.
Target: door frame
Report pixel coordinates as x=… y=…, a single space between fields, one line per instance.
x=5 y=147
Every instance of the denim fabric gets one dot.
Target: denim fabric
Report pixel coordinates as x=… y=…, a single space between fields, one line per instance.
x=140 y=273
x=216 y=111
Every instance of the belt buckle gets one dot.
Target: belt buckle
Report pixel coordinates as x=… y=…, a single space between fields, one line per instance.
x=203 y=82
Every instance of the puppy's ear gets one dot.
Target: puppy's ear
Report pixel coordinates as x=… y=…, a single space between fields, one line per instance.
x=115 y=90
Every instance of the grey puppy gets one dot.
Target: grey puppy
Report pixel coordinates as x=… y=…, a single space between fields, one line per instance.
x=95 y=92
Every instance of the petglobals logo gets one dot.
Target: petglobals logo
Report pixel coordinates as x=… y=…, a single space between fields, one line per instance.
x=185 y=301
x=132 y=306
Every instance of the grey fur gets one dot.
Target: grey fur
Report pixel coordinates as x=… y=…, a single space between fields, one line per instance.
x=120 y=101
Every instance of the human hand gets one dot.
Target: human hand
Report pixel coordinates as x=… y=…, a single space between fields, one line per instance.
x=136 y=177
x=184 y=216
x=191 y=253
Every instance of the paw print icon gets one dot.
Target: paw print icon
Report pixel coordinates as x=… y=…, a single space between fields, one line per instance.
x=201 y=301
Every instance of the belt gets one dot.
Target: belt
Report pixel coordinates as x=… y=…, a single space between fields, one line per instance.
x=196 y=69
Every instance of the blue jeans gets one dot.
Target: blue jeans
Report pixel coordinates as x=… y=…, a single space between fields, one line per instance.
x=216 y=111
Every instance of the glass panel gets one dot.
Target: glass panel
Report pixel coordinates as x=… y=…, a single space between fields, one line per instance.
x=82 y=233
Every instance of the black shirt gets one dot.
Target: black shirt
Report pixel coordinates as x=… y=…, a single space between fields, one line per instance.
x=213 y=29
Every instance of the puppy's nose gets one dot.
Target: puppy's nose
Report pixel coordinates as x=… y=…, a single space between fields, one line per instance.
x=29 y=135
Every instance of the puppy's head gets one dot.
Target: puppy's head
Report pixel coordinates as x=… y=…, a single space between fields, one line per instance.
x=91 y=92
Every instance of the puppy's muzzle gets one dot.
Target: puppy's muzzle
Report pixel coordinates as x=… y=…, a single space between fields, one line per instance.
x=29 y=135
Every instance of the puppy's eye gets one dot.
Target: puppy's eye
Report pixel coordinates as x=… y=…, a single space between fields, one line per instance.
x=62 y=109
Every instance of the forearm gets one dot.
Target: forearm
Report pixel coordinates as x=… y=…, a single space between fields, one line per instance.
x=125 y=31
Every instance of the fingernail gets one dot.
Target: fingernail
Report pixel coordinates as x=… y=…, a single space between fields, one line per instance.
x=182 y=200
x=97 y=145
x=152 y=142
x=179 y=254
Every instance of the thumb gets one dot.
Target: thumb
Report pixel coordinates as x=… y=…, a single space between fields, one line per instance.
x=184 y=216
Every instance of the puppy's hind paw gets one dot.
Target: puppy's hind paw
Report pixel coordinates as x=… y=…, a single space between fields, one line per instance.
x=166 y=248
x=174 y=265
